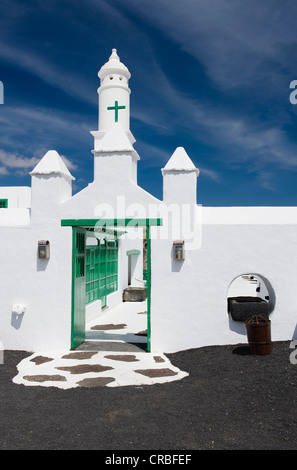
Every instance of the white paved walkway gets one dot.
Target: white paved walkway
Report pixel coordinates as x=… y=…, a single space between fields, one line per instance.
x=126 y=322
x=109 y=365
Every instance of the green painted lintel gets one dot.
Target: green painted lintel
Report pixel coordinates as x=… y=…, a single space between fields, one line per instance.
x=112 y=222
x=133 y=252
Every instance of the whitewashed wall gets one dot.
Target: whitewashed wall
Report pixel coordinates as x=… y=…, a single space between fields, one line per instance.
x=19 y=197
x=189 y=298
x=42 y=286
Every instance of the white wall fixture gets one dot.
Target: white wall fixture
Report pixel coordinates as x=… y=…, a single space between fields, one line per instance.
x=43 y=249
x=178 y=249
x=18 y=309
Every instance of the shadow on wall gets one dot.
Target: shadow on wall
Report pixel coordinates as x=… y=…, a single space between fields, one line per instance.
x=42 y=260
x=295 y=333
x=17 y=314
x=251 y=294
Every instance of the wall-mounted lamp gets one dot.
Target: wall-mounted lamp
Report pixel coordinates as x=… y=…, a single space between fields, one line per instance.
x=178 y=249
x=43 y=249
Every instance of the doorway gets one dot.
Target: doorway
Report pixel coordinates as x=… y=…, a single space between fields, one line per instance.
x=79 y=227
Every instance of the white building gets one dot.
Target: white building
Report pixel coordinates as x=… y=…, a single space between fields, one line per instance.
x=65 y=257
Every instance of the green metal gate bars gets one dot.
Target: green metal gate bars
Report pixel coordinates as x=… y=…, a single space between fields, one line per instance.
x=101 y=271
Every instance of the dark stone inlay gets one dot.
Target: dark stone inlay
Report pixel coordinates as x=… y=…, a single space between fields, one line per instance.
x=159 y=359
x=123 y=357
x=80 y=355
x=41 y=359
x=109 y=326
x=84 y=368
x=142 y=333
x=156 y=372
x=45 y=378
x=95 y=382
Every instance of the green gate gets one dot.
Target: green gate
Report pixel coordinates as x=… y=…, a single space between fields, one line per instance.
x=78 y=286
x=92 y=273
x=101 y=271
x=111 y=267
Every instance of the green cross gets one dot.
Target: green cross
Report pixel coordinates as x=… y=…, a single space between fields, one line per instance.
x=116 y=108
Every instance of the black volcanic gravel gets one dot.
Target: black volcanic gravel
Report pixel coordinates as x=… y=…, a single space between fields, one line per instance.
x=231 y=400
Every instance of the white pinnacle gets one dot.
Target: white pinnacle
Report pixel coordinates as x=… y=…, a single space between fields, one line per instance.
x=114 y=65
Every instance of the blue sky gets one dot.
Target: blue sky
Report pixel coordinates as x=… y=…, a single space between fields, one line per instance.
x=211 y=76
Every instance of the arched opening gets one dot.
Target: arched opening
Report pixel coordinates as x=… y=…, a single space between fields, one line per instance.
x=249 y=294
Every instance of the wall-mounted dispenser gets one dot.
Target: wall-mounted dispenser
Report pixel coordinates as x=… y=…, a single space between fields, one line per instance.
x=178 y=250
x=43 y=249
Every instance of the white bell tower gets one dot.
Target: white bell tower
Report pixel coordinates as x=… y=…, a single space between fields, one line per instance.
x=114 y=154
x=114 y=97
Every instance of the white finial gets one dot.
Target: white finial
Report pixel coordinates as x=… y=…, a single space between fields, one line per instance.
x=114 y=65
x=114 y=55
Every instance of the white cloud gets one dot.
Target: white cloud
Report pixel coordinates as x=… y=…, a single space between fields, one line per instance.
x=70 y=165
x=31 y=129
x=28 y=133
x=266 y=180
x=21 y=166
x=237 y=45
x=211 y=174
x=151 y=155
x=240 y=137
x=3 y=171
x=14 y=161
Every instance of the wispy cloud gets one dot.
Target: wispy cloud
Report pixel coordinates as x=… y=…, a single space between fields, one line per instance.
x=151 y=155
x=3 y=171
x=243 y=57
x=13 y=161
x=240 y=137
x=236 y=45
x=43 y=124
x=70 y=165
x=18 y=165
x=237 y=112
x=50 y=72
x=266 y=180
x=210 y=174
x=28 y=133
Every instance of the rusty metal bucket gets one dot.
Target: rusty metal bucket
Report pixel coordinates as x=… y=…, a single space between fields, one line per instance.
x=258 y=330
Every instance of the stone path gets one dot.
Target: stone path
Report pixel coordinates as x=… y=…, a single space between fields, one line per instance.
x=113 y=355
x=72 y=369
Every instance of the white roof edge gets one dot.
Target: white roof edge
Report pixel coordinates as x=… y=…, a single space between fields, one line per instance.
x=107 y=152
x=179 y=161
x=115 y=140
x=180 y=170
x=249 y=215
x=51 y=164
